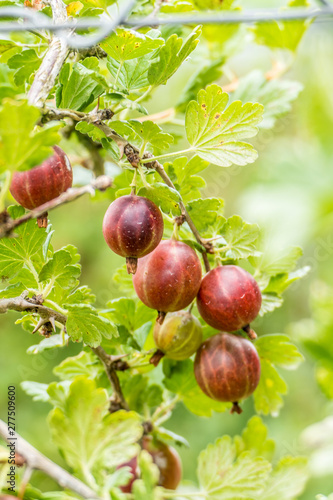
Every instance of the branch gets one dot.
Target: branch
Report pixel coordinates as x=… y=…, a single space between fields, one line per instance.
x=52 y=62
x=111 y=364
x=101 y=183
x=49 y=316
x=38 y=461
x=94 y=117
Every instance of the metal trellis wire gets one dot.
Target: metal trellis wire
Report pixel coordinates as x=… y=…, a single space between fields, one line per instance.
x=33 y=20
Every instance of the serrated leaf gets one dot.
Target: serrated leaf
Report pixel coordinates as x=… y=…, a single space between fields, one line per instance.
x=25 y=63
x=240 y=238
x=283 y=262
x=84 y=324
x=283 y=34
x=224 y=477
x=270 y=301
x=131 y=75
x=254 y=439
x=52 y=342
x=274 y=350
x=287 y=480
x=88 y=128
x=84 y=363
x=171 y=56
x=78 y=87
x=23 y=145
x=127 y=44
x=37 y=391
x=98 y=441
x=143 y=134
x=74 y=8
x=117 y=99
x=163 y=196
x=215 y=130
x=204 y=212
x=205 y=74
x=60 y=270
x=140 y=392
x=18 y=252
x=275 y=95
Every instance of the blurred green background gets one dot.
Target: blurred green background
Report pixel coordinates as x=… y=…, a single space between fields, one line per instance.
x=289 y=193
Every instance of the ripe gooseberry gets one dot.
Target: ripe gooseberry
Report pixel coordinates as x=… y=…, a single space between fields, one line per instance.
x=133 y=465
x=178 y=337
x=229 y=298
x=227 y=368
x=32 y=188
x=133 y=227
x=168 y=279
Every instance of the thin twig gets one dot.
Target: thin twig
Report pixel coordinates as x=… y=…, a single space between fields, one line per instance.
x=22 y=304
x=38 y=461
x=101 y=183
x=118 y=401
x=95 y=117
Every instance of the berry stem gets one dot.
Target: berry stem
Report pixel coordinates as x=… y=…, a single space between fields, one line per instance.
x=131 y=265
x=250 y=333
x=156 y=357
x=236 y=408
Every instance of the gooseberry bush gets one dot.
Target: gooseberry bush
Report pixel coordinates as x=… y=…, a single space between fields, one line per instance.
x=185 y=328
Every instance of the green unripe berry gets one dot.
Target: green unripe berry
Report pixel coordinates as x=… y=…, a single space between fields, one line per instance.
x=179 y=336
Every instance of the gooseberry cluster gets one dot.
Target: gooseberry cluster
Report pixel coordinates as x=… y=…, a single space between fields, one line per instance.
x=167 y=276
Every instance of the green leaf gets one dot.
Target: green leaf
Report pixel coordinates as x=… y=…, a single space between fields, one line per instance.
x=204 y=212
x=223 y=476
x=240 y=238
x=26 y=63
x=60 y=269
x=52 y=342
x=98 y=441
x=287 y=480
x=143 y=134
x=205 y=74
x=77 y=88
x=275 y=95
x=283 y=34
x=171 y=56
x=127 y=44
x=139 y=392
x=163 y=196
x=117 y=99
x=270 y=301
x=254 y=439
x=180 y=380
x=274 y=350
x=130 y=75
x=37 y=391
x=23 y=145
x=283 y=262
x=214 y=130
x=182 y=173
x=144 y=488
x=84 y=363
x=88 y=128
x=84 y=324
x=17 y=253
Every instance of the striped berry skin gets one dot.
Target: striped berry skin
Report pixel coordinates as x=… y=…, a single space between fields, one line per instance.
x=32 y=188
x=133 y=466
x=180 y=335
x=133 y=226
x=169 y=278
x=227 y=367
x=229 y=298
